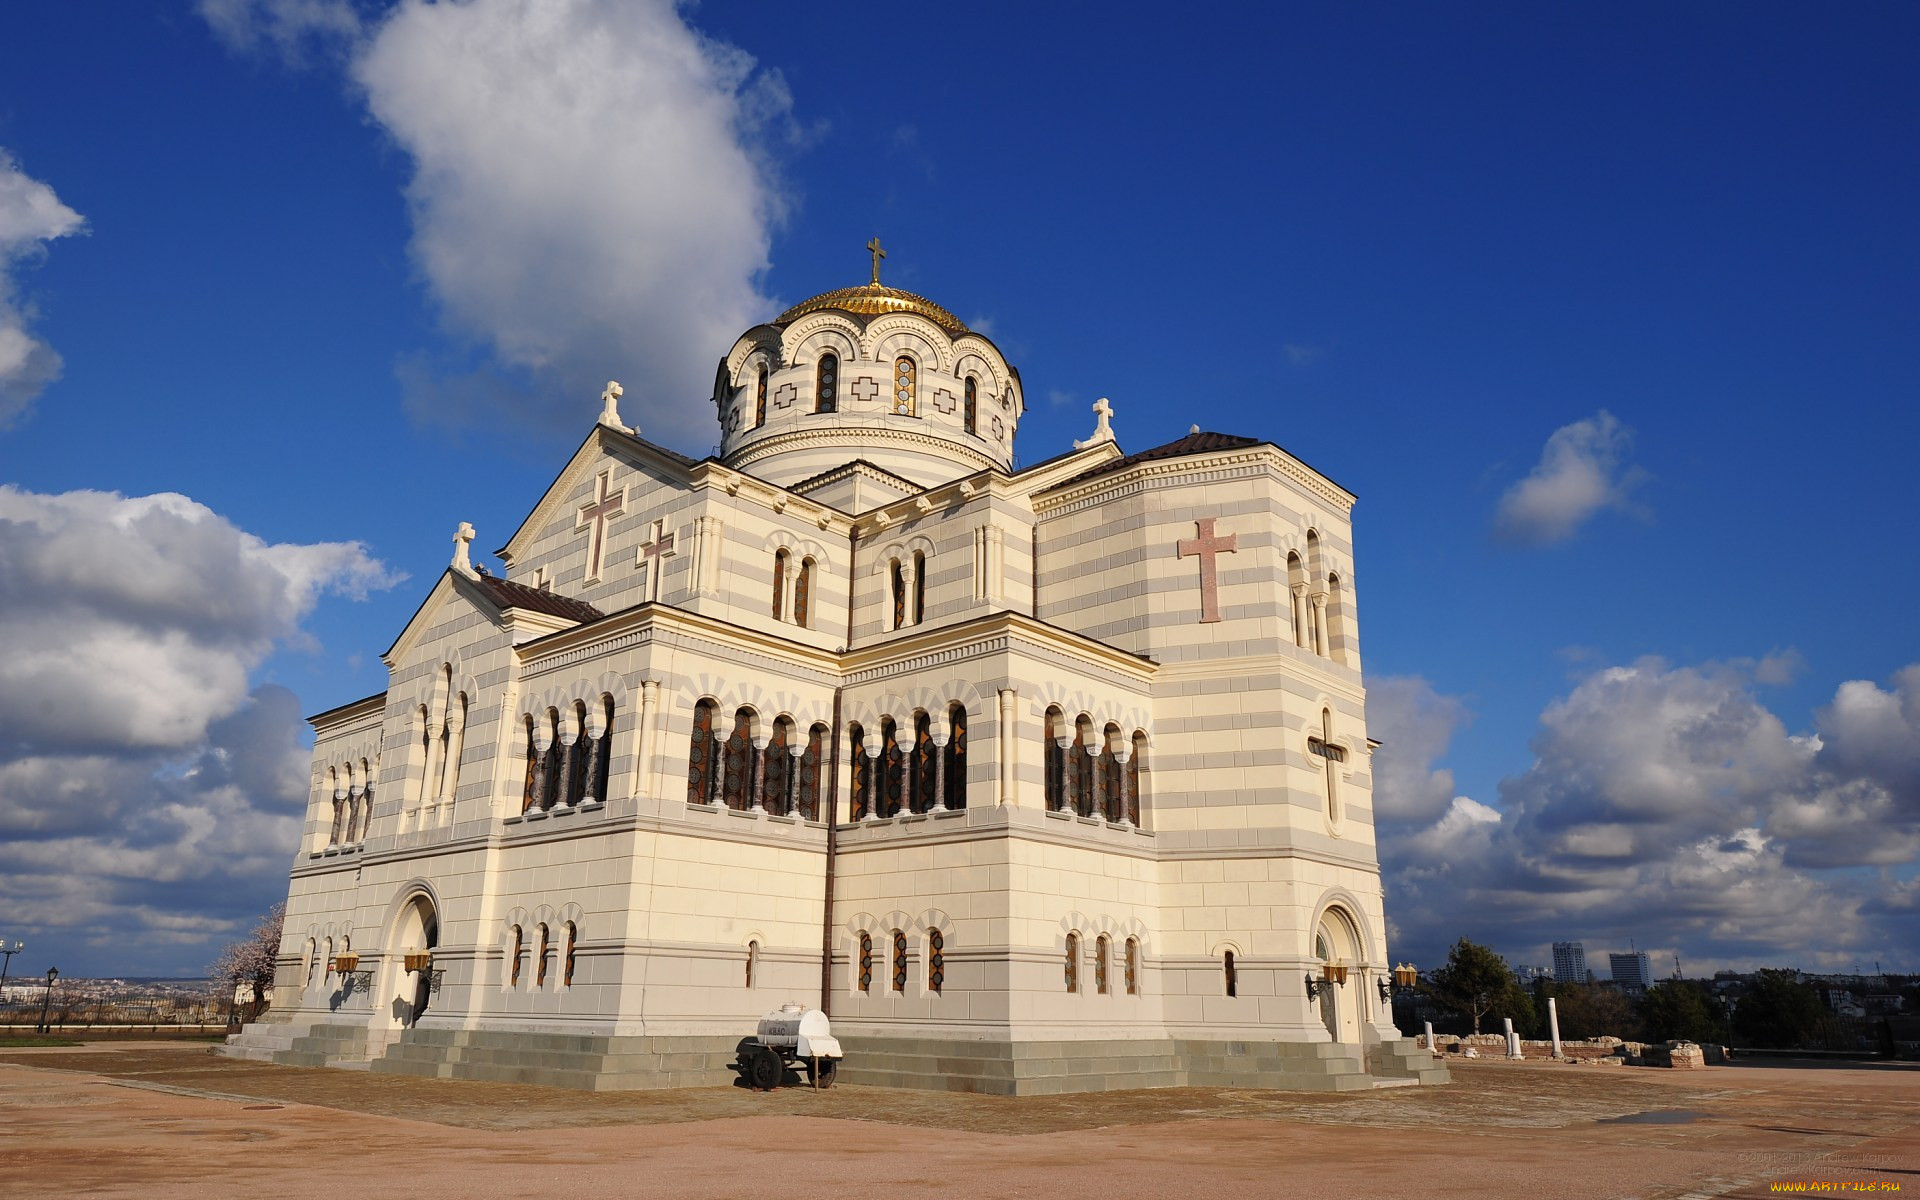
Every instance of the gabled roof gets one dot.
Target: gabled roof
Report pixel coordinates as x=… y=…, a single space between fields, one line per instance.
x=831 y=473
x=1198 y=442
x=508 y=594
x=601 y=436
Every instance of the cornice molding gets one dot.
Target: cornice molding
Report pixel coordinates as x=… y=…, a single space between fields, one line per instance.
x=1197 y=468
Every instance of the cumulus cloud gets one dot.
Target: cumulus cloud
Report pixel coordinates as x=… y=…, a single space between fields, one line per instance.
x=31 y=215
x=1414 y=725
x=1669 y=804
x=143 y=780
x=593 y=194
x=1581 y=471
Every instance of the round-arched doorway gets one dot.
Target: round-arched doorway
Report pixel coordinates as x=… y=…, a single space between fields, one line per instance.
x=416 y=931
x=1336 y=941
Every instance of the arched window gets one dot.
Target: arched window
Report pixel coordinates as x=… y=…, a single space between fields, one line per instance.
x=1336 y=620
x=760 y=398
x=519 y=951
x=812 y=763
x=803 y=594
x=540 y=966
x=1297 y=598
x=919 y=586
x=339 y=806
x=899 y=960
x=936 y=961
x=1073 y=962
x=358 y=832
x=536 y=770
x=1102 y=952
x=737 y=785
x=580 y=756
x=826 y=384
x=602 y=754
x=1112 y=799
x=1316 y=635
x=327 y=970
x=1056 y=760
x=897 y=576
x=970 y=406
x=777 y=795
x=893 y=771
x=779 y=584
x=753 y=960
x=313 y=961
x=704 y=758
x=1082 y=766
x=550 y=787
x=1136 y=766
x=573 y=938
x=1331 y=756
x=906 y=387
x=857 y=772
x=1231 y=973
x=1133 y=966
x=921 y=779
x=866 y=962
x=956 y=764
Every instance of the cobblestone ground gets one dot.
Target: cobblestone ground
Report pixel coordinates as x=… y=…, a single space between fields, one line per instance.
x=158 y=1120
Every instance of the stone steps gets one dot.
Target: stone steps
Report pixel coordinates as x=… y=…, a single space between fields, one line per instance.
x=329 y=1046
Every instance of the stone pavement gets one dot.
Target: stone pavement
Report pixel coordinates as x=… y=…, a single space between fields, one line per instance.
x=159 y=1120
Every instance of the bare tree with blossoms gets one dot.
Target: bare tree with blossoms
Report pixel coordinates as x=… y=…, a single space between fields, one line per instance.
x=249 y=964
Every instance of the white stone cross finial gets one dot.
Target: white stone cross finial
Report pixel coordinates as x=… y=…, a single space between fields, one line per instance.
x=610 y=407
x=462 y=536
x=1103 y=429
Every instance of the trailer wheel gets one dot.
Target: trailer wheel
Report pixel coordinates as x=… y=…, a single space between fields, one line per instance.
x=823 y=1071
x=767 y=1069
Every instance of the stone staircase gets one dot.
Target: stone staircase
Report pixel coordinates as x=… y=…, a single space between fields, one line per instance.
x=1284 y=1066
x=1402 y=1059
x=588 y=1063
x=349 y=1047
x=261 y=1040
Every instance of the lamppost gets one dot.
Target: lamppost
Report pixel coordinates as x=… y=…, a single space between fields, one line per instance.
x=9 y=952
x=53 y=973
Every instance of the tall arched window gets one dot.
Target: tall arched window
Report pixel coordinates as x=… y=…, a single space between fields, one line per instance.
x=857 y=772
x=779 y=584
x=919 y=586
x=1336 y=619
x=1136 y=767
x=357 y=832
x=936 y=961
x=1133 y=966
x=921 y=781
x=519 y=952
x=1231 y=973
x=540 y=965
x=550 y=787
x=737 y=784
x=1056 y=760
x=1073 y=962
x=703 y=759
x=970 y=410
x=956 y=765
x=826 y=384
x=536 y=770
x=602 y=754
x=1316 y=635
x=760 y=398
x=803 y=594
x=893 y=771
x=906 y=387
x=1112 y=773
x=339 y=806
x=1297 y=598
x=866 y=961
x=753 y=960
x=1082 y=766
x=1102 y=952
x=812 y=768
x=580 y=757
x=897 y=577
x=900 y=960
x=777 y=793
x=573 y=938
x=326 y=971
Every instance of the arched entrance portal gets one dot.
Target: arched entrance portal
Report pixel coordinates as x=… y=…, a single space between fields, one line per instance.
x=417 y=931
x=1340 y=1007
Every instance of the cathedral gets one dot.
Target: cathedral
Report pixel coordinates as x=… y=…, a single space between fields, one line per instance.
x=1037 y=779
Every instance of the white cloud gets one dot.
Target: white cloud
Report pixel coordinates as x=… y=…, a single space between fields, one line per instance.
x=30 y=217
x=142 y=779
x=593 y=193
x=1579 y=473
x=1414 y=724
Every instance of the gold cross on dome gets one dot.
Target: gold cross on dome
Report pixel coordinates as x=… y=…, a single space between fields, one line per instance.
x=873 y=248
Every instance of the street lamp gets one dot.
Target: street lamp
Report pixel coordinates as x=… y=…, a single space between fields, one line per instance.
x=9 y=952
x=53 y=973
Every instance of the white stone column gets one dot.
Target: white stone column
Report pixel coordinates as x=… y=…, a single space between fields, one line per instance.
x=430 y=778
x=643 y=740
x=1319 y=605
x=1300 y=635
x=796 y=755
x=910 y=611
x=450 y=770
x=1553 y=1025
x=1123 y=754
x=874 y=742
x=940 y=771
x=1513 y=1039
x=1433 y=1047
x=1008 y=747
x=757 y=784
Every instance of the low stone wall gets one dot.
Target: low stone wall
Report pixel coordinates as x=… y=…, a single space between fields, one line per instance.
x=1608 y=1050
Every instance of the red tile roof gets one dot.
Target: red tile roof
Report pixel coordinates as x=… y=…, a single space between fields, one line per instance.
x=1194 y=443
x=508 y=594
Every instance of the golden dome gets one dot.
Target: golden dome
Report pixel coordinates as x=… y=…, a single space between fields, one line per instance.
x=872 y=300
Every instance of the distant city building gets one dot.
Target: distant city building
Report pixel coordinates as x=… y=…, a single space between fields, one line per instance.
x=1569 y=962
x=1529 y=975
x=1633 y=970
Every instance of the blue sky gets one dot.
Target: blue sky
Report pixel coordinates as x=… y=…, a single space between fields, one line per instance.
x=344 y=275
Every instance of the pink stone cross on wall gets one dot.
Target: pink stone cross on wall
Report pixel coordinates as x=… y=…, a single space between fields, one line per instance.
x=1206 y=545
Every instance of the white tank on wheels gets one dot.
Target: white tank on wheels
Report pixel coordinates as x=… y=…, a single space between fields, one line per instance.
x=792 y=1035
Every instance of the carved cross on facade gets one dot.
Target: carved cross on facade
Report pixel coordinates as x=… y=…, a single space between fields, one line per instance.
x=654 y=555
x=1206 y=545
x=607 y=503
x=873 y=248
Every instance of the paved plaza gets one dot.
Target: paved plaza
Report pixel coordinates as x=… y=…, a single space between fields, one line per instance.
x=170 y=1119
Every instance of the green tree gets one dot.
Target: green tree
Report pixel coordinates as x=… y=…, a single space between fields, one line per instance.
x=1680 y=1010
x=1591 y=1010
x=1777 y=1012
x=1474 y=980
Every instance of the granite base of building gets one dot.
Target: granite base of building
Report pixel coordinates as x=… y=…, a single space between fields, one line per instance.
x=990 y=1068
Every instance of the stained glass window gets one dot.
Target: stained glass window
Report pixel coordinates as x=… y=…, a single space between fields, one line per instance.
x=760 y=400
x=739 y=758
x=1135 y=766
x=578 y=756
x=540 y=967
x=704 y=755
x=534 y=765
x=898 y=576
x=892 y=769
x=573 y=936
x=779 y=583
x=1082 y=768
x=826 y=384
x=807 y=793
x=604 y=751
x=969 y=413
x=866 y=962
x=1133 y=966
x=779 y=769
x=802 y=593
x=921 y=784
x=899 y=960
x=1073 y=962
x=556 y=762
x=936 y=961
x=919 y=586
x=1056 y=761
x=956 y=794
x=857 y=772
x=1100 y=949
x=1110 y=774
x=519 y=951
x=1232 y=974
x=905 y=388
